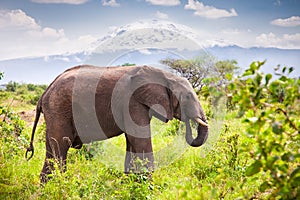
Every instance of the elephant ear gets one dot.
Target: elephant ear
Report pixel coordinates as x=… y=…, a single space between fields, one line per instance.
x=150 y=88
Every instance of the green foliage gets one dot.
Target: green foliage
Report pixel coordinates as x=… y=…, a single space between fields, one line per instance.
x=12 y=86
x=271 y=111
x=204 y=72
x=207 y=76
x=196 y=175
x=12 y=142
x=10 y=122
x=1 y=75
x=26 y=93
x=195 y=71
x=254 y=159
x=128 y=64
x=224 y=71
x=89 y=151
x=173 y=128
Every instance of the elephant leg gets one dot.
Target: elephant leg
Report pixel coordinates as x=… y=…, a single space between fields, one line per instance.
x=139 y=155
x=56 y=151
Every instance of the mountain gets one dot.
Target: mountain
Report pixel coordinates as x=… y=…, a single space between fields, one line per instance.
x=273 y=56
x=143 y=43
x=38 y=70
x=45 y=69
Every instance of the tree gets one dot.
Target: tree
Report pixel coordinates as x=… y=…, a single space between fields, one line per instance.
x=12 y=86
x=195 y=71
x=204 y=70
x=128 y=64
x=224 y=70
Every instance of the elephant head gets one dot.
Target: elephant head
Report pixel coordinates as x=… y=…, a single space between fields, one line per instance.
x=168 y=96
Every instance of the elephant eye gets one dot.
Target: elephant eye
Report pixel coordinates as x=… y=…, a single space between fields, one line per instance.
x=189 y=96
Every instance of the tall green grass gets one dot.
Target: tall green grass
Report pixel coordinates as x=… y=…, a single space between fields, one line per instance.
x=213 y=171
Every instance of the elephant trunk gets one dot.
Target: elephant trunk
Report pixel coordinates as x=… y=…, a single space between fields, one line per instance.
x=202 y=131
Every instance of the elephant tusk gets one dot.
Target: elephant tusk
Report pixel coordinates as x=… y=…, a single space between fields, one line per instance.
x=201 y=122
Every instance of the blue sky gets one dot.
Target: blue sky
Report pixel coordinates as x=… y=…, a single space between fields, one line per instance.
x=30 y=28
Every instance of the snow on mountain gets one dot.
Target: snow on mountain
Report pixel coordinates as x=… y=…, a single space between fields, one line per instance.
x=148 y=34
x=143 y=42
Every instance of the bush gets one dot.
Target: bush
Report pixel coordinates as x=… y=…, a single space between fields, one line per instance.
x=12 y=86
x=271 y=111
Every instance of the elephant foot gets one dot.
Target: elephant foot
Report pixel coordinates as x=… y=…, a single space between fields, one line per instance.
x=46 y=171
x=44 y=178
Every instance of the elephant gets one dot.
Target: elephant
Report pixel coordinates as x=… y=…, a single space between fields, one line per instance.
x=88 y=103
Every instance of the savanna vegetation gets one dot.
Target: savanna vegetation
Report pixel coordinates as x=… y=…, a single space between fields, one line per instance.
x=252 y=151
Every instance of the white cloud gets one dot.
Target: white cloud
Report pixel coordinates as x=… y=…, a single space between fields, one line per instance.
x=161 y=15
x=209 y=11
x=288 y=22
x=46 y=33
x=292 y=38
x=286 y=41
x=164 y=2
x=77 y=59
x=22 y=36
x=111 y=3
x=17 y=19
x=232 y=36
x=145 y=51
x=234 y=32
x=76 y=2
x=62 y=58
x=268 y=40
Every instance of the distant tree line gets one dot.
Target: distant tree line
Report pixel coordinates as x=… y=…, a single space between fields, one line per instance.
x=29 y=93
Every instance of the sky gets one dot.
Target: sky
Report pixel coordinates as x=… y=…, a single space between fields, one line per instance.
x=32 y=28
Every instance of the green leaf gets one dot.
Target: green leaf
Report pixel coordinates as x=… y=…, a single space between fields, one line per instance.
x=284 y=68
x=258 y=79
x=254 y=66
x=287 y=157
x=232 y=86
x=283 y=78
x=277 y=128
x=265 y=185
x=228 y=76
x=270 y=162
x=248 y=72
x=254 y=168
x=251 y=119
x=296 y=182
x=291 y=69
x=295 y=172
x=268 y=78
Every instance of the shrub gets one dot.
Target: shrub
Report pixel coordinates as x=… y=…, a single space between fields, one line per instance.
x=271 y=112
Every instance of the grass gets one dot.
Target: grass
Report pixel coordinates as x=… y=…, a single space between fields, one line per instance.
x=214 y=171
x=257 y=159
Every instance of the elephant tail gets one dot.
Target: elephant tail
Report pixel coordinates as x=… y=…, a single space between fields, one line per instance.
x=37 y=117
